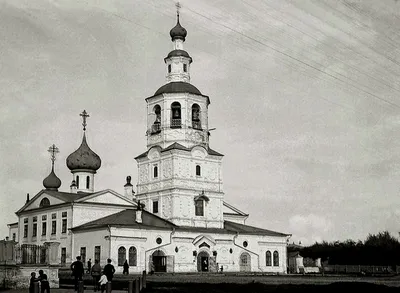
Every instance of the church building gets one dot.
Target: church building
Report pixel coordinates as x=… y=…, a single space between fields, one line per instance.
x=178 y=219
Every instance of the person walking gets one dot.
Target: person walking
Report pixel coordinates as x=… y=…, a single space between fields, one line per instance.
x=103 y=282
x=89 y=265
x=96 y=272
x=77 y=271
x=32 y=282
x=126 y=268
x=109 y=270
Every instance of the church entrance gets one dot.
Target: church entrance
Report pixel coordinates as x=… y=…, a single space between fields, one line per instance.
x=159 y=261
x=245 y=262
x=203 y=262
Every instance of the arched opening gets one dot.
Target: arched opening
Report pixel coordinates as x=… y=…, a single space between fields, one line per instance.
x=268 y=261
x=176 y=119
x=132 y=256
x=44 y=202
x=159 y=261
x=156 y=127
x=77 y=182
x=203 y=260
x=276 y=258
x=169 y=68
x=121 y=256
x=155 y=172
x=198 y=170
x=87 y=182
x=245 y=262
x=196 y=123
x=184 y=67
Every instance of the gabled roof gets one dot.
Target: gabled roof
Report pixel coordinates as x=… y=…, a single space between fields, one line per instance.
x=235 y=210
x=178 y=146
x=245 y=229
x=127 y=218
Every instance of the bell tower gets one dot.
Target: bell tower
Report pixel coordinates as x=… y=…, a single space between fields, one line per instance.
x=180 y=175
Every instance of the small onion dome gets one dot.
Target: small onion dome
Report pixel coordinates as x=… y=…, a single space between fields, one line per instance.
x=178 y=87
x=178 y=32
x=83 y=158
x=52 y=182
x=179 y=53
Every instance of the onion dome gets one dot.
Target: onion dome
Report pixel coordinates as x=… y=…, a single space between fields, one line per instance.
x=83 y=158
x=177 y=87
x=52 y=182
x=178 y=32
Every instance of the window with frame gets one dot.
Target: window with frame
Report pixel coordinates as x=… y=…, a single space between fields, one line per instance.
x=64 y=214
x=25 y=230
x=155 y=171
x=53 y=227
x=44 y=228
x=169 y=68
x=87 y=182
x=83 y=255
x=44 y=202
x=198 y=170
x=97 y=253
x=14 y=236
x=268 y=261
x=63 y=255
x=121 y=256
x=276 y=259
x=184 y=67
x=155 y=206
x=77 y=182
x=34 y=230
x=199 y=208
x=64 y=226
x=132 y=256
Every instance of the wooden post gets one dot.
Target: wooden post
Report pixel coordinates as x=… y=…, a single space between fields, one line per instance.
x=81 y=288
x=36 y=287
x=130 y=286
x=137 y=288
x=144 y=279
x=108 y=287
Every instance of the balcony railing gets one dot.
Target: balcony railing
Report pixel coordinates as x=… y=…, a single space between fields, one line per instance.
x=176 y=123
x=196 y=125
x=155 y=128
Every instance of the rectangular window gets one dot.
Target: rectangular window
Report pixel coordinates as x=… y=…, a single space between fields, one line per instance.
x=14 y=237
x=44 y=217
x=26 y=220
x=64 y=214
x=64 y=226
x=169 y=68
x=53 y=227
x=83 y=255
x=35 y=219
x=34 y=230
x=199 y=208
x=184 y=67
x=63 y=255
x=54 y=216
x=25 y=230
x=155 y=206
x=44 y=228
x=97 y=252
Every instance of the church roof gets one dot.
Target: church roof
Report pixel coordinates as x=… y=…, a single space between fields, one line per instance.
x=178 y=146
x=177 y=87
x=127 y=219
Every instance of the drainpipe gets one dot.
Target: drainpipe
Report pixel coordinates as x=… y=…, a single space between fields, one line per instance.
x=109 y=238
x=157 y=247
x=258 y=256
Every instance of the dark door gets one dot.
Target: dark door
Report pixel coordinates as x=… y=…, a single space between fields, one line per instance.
x=160 y=263
x=204 y=264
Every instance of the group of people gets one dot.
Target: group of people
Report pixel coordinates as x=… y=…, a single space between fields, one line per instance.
x=100 y=277
x=44 y=282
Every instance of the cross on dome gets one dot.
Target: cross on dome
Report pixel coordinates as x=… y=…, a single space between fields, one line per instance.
x=84 y=115
x=53 y=150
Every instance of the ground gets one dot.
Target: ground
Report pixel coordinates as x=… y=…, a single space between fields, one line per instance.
x=219 y=283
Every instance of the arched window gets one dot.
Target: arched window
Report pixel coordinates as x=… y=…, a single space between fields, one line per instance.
x=199 y=207
x=132 y=256
x=155 y=172
x=268 y=261
x=196 y=123
x=175 y=115
x=87 y=182
x=77 y=182
x=44 y=202
x=198 y=170
x=276 y=259
x=156 y=127
x=121 y=256
x=184 y=67
x=169 y=68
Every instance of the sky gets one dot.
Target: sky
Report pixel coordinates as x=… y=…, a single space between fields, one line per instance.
x=304 y=98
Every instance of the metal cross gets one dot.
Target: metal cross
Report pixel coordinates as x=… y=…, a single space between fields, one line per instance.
x=84 y=115
x=53 y=150
x=178 y=6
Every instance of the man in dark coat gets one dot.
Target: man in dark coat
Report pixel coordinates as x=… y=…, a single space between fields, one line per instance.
x=77 y=271
x=109 y=270
x=44 y=282
x=96 y=272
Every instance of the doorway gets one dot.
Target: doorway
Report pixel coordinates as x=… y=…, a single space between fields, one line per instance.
x=203 y=259
x=245 y=262
x=159 y=261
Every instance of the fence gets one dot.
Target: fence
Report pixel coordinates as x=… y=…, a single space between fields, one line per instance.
x=31 y=253
x=359 y=269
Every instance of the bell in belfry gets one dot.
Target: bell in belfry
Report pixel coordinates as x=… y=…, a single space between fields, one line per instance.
x=176 y=114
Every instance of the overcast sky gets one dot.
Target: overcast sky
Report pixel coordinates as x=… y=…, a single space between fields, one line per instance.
x=304 y=98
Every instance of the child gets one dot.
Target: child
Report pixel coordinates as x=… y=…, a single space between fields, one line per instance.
x=32 y=282
x=44 y=282
x=103 y=282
